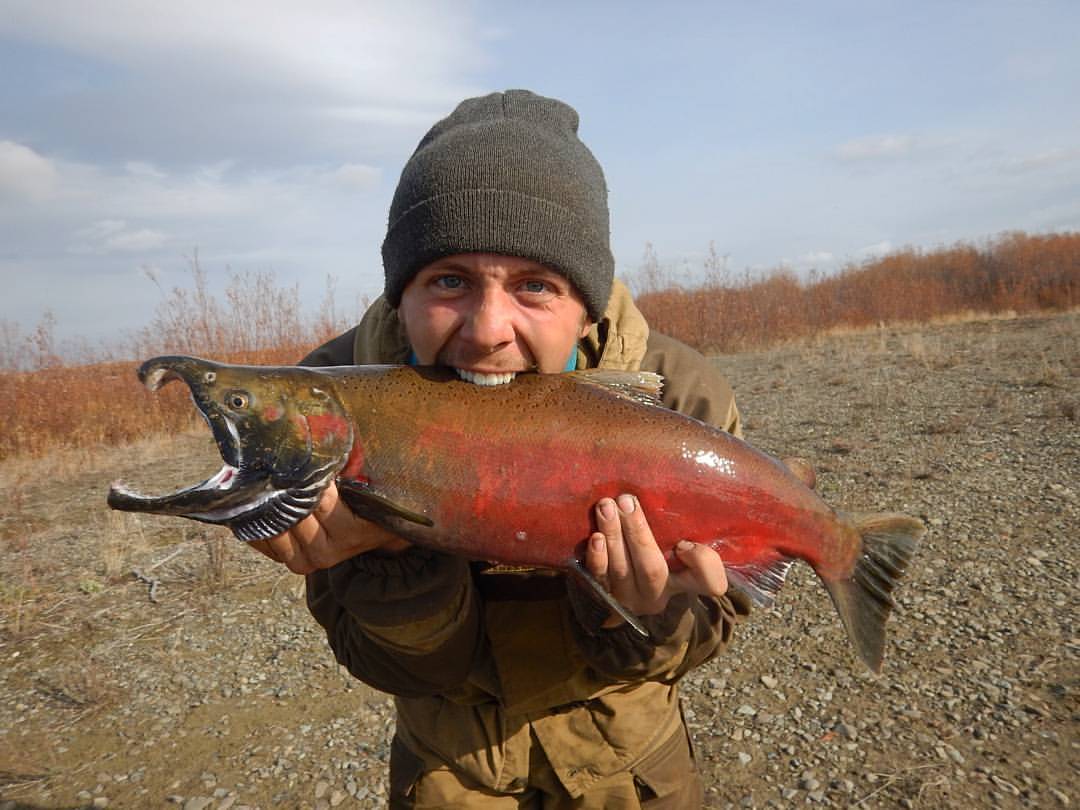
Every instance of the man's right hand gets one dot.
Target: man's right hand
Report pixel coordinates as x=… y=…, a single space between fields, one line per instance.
x=330 y=534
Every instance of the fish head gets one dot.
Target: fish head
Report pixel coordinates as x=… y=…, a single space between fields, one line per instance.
x=282 y=434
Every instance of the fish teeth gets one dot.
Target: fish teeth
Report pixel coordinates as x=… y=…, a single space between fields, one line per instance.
x=485 y=379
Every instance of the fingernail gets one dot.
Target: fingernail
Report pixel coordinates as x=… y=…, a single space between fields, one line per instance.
x=626 y=503
x=607 y=508
x=684 y=545
x=597 y=542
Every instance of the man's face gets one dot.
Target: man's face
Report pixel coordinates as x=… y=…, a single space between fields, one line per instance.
x=490 y=315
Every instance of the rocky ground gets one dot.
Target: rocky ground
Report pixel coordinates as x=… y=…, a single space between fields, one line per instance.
x=148 y=662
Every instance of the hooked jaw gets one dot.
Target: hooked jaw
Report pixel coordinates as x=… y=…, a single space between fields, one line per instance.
x=245 y=493
x=247 y=504
x=182 y=502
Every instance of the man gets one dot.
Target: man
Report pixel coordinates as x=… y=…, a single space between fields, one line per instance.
x=513 y=688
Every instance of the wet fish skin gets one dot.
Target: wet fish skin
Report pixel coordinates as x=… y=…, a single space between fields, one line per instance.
x=510 y=473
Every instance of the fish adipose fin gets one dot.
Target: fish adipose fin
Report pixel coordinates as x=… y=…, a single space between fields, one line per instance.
x=864 y=600
x=760 y=580
x=367 y=503
x=642 y=387
x=582 y=573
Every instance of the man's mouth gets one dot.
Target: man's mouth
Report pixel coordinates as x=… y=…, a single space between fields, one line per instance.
x=481 y=378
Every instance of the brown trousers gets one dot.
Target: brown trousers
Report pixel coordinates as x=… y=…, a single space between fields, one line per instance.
x=666 y=780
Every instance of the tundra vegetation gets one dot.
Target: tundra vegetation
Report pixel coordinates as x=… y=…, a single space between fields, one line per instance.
x=147 y=660
x=67 y=396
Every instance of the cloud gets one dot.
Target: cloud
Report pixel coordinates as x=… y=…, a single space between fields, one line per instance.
x=1048 y=159
x=875 y=147
x=116 y=236
x=812 y=260
x=376 y=61
x=139 y=168
x=876 y=250
x=817 y=257
x=24 y=174
x=354 y=176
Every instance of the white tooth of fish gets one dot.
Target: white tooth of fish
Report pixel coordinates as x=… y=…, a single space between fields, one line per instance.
x=485 y=379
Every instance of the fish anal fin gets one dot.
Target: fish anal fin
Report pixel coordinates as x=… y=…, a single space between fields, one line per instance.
x=582 y=573
x=643 y=387
x=864 y=600
x=761 y=580
x=362 y=499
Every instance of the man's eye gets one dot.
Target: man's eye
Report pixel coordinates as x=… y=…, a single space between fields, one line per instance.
x=450 y=282
x=534 y=286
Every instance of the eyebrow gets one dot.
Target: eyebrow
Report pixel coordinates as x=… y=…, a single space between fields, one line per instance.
x=536 y=268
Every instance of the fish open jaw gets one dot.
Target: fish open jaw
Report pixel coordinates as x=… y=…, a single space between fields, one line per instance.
x=124 y=497
x=271 y=477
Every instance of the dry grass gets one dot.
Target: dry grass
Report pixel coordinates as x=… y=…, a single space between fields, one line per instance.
x=67 y=403
x=1015 y=273
x=96 y=400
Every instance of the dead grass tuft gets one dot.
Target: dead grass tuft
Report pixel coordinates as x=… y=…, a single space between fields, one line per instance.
x=219 y=546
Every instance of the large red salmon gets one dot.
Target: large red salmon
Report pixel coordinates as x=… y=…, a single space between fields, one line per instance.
x=510 y=473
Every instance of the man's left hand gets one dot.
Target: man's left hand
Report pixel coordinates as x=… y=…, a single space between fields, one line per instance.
x=626 y=558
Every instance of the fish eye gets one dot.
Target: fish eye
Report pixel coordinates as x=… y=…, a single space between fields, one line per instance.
x=237 y=400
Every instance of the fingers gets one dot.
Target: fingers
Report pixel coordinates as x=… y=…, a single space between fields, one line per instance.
x=704 y=574
x=624 y=555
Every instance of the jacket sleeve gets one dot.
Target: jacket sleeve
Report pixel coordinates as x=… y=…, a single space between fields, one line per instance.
x=692 y=384
x=408 y=624
x=691 y=630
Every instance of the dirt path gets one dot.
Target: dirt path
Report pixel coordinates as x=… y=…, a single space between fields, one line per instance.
x=202 y=681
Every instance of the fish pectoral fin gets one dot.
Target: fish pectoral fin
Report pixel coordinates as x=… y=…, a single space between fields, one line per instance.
x=643 y=387
x=369 y=504
x=582 y=573
x=761 y=580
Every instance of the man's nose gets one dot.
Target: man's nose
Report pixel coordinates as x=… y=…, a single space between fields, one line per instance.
x=490 y=323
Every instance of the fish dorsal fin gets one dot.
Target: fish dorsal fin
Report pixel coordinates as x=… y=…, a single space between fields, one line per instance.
x=643 y=387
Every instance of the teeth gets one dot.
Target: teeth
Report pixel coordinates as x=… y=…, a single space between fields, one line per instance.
x=485 y=379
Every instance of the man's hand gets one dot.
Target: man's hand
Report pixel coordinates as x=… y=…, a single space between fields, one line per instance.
x=327 y=536
x=624 y=556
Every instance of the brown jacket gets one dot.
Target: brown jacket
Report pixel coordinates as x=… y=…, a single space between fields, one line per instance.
x=482 y=661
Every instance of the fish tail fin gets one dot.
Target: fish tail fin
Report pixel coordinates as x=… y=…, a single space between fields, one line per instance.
x=864 y=599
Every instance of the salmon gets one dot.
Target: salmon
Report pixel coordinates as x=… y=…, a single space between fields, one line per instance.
x=511 y=473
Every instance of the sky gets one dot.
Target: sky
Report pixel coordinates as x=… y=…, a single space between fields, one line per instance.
x=268 y=136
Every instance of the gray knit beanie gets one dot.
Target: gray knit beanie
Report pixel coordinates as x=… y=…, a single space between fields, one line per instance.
x=503 y=173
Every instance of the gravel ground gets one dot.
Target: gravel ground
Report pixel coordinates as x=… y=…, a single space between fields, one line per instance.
x=201 y=682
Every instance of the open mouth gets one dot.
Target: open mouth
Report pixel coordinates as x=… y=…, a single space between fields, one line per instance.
x=247 y=504
x=245 y=494
x=245 y=501
x=479 y=378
